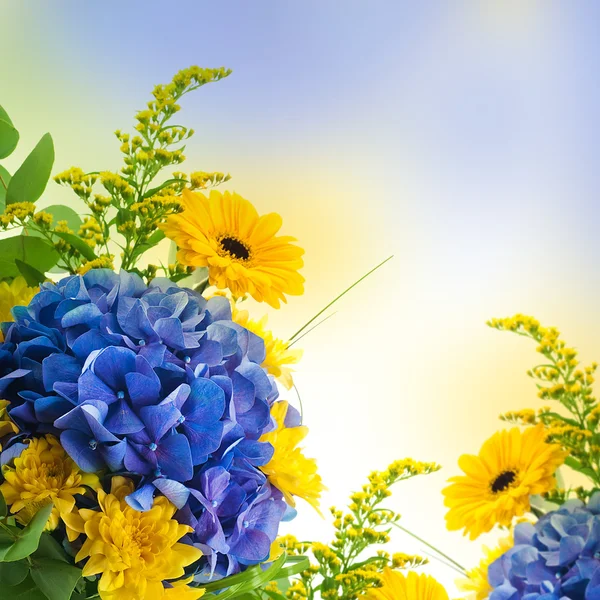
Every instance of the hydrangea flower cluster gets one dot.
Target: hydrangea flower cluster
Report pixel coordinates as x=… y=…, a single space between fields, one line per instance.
x=558 y=558
x=159 y=384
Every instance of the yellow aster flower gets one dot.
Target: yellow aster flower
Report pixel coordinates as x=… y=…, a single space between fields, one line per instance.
x=511 y=466
x=397 y=586
x=7 y=426
x=44 y=473
x=134 y=552
x=477 y=582
x=16 y=293
x=240 y=248
x=277 y=354
x=289 y=470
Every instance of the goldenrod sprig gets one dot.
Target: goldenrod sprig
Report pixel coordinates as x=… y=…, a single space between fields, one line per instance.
x=344 y=568
x=130 y=202
x=561 y=379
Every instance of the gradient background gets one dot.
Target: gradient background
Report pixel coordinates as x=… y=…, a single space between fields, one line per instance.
x=462 y=137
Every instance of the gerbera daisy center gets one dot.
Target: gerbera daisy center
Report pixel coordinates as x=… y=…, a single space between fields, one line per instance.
x=235 y=248
x=503 y=481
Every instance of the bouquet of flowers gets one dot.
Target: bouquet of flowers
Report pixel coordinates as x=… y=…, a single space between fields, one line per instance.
x=145 y=451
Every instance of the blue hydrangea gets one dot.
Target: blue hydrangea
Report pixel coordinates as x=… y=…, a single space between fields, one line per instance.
x=159 y=383
x=558 y=558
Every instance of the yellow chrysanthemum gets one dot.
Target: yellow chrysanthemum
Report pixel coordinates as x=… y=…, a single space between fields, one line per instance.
x=134 y=551
x=240 y=248
x=289 y=470
x=7 y=426
x=277 y=354
x=511 y=466
x=16 y=293
x=397 y=586
x=44 y=473
x=477 y=583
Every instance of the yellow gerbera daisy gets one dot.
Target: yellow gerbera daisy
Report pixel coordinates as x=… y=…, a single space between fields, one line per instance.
x=240 y=248
x=277 y=354
x=477 y=582
x=289 y=470
x=397 y=586
x=16 y=293
x=511 y=466
x=44 y=473
x=134 y=551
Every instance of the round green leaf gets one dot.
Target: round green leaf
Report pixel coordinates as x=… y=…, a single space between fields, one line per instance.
x=26 y=590
x=29 y=538
x=80 y=245
x=13 y=573
x=60 y=212
x=50 y=548
x=9 y=138
x=55 y=578
x=31 y=178
x=5 y=175
x=33 y=251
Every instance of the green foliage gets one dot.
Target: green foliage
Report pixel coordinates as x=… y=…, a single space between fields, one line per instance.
x=562 y=380
x=245 y=584
x=31 y=178
x=352 y=562
x=32 y=563
x=34 y=251
x=9 y=136
x=55 y=578
x=26 y=541
x=4 y=181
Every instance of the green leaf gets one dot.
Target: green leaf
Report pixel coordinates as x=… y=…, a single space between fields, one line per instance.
x=80 y=245
x=3 y=508
x=577 y=466
x=31 y=178
x=13 y=573
x=253 y=578
x=5 y=175
x=31 y=275
x=9 y=138
x=29 y=538
x=55 y=578
x=50 y=548
x=26 y=590
x=60 y=212
x=154 y=239
x=34 y=251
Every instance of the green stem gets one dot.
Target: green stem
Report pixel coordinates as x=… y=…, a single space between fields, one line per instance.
x=3 y=183
x=436 y=550
x=337 y=298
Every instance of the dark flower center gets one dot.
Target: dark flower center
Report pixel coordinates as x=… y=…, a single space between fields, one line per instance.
x=503 y=481
x=235 y=248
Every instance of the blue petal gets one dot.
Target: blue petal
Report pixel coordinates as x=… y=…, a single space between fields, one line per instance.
x=142 y=499
x=114 y=454
x=159 y=419
x=206 y=401
x=59 y=367
x=88 y=314
x=176 y=492
x=175 y=458
x=112 y=364
x=122 y=420
x=77 y=446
